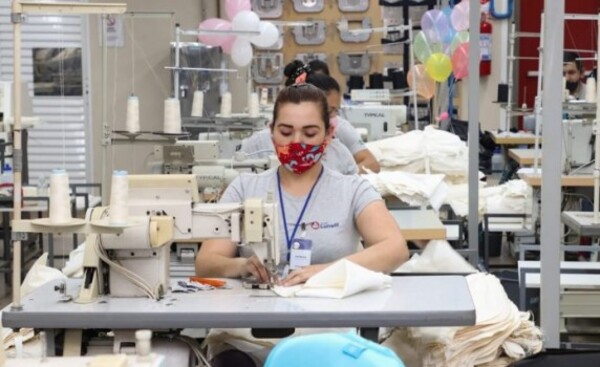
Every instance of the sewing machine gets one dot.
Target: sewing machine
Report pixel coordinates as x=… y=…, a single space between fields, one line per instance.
x=381 y=121
x=202 y=158
x=578 y=143
x=163 y=209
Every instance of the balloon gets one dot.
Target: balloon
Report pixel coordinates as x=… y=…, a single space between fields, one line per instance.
x=246 y=21
x=460 y=61
x=421 y=47
x=425 y=86
x=447 y=10
x=460 y=16
x=439 y=66
x=228 y=46
x=232 y=7
x=241 y=52
x=269 y=35
x=460 y=37
x=214 y=39
x=435 y=24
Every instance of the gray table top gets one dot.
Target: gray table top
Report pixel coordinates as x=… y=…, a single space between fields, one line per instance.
x=411 y=301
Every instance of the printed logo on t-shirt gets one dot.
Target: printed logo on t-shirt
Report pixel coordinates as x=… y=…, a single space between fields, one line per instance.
x=324 y=225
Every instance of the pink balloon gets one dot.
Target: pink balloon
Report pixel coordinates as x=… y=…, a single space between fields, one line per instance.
x=228 y=46
x=460 y=61
x=232 y=7
x=215 y=24
x=460 y=16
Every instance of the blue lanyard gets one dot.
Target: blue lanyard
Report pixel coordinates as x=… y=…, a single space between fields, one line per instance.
x=287 y=237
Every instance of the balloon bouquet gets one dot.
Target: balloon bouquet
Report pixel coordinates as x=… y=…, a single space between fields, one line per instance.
x=442 y=47
x=241 y=19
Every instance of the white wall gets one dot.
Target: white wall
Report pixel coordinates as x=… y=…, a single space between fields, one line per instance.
x=489 y=112
x=152 y=82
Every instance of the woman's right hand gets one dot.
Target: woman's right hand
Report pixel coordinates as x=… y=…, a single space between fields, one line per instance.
x=253 y=266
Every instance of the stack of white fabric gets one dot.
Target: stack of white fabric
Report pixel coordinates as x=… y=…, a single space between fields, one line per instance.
x=500 y=336
x=428 y=151
x=412 y=188
x=509 y=198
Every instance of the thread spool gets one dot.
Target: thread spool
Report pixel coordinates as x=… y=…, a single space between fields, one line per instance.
x=376 y=81
x=356 y=82
x=198 y=104
x=119 y=189
x=264 y=96
x=143 y=344
x=133 y=115
x=253 y=108
x=172 y=121
x=590 y=90
x=399 y=80
x=60 y=203
x=226 y=104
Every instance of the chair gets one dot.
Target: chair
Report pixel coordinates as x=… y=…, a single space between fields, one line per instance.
x=331 y=349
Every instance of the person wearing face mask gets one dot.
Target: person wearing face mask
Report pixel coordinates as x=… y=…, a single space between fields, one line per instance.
x=573 y=71
x=336 y=156
x=317 y=73
x=305 y=190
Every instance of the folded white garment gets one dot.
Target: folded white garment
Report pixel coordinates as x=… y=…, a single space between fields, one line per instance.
x=428 y=151
x=411 y=188
x=339 y=280
x=438 y=256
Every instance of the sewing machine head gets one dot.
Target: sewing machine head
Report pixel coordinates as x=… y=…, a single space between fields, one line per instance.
x=164 y=209
x=381 y=121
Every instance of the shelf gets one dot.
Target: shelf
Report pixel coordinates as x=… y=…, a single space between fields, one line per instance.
x=135 y=137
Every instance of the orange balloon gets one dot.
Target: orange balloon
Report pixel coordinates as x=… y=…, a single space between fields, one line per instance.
x=425 y=85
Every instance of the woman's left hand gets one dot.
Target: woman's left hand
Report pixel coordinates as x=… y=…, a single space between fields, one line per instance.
x=300 y=276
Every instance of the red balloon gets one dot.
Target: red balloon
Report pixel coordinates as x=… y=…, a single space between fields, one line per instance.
x=460 y=61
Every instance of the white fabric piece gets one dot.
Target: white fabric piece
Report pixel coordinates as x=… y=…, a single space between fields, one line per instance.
x=424 y=151
x=74 y=265
x=339 y=280
x=411 y=188
x=39 y=274
x=500 y=336
x=510 y=197
x=438 y=256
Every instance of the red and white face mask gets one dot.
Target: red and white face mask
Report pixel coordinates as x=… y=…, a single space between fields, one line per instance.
x=298 y=157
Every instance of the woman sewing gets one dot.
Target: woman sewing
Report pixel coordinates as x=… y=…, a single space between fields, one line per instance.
x=325 y=209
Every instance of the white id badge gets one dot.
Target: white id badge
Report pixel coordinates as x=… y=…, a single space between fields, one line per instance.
x=300 y=253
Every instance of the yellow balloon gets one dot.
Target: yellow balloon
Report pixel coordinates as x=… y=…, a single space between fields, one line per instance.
x=439 y=66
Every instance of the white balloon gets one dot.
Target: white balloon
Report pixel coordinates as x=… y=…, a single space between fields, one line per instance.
x=246 y=21
x=241 y=52
x=269 y=35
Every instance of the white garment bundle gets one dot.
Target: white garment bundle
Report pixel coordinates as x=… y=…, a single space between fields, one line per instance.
x=411 y=188
x=428 y=151
x=438 y=256
x=511 y=197
x=339 y=280
x=500 y=336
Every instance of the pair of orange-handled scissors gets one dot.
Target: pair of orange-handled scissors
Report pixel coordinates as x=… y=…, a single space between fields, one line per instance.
x=217 y=283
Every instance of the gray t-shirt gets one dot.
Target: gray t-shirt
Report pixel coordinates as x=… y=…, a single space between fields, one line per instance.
x=329 y=217
x=337 y=156
x=349 y=136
